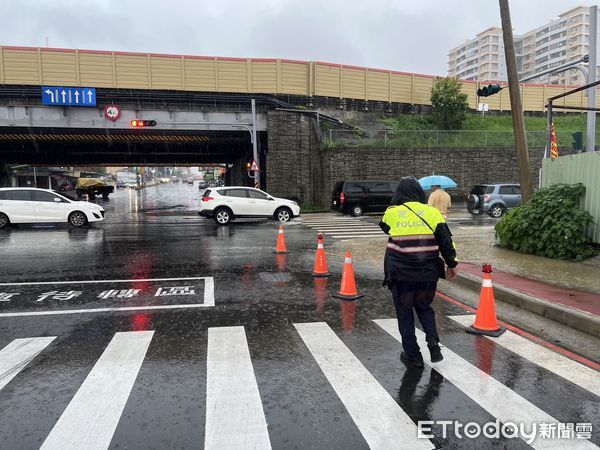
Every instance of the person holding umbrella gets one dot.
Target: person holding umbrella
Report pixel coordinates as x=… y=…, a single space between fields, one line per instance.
x=439 y=198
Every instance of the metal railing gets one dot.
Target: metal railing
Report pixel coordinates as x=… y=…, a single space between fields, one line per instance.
x=439 y=138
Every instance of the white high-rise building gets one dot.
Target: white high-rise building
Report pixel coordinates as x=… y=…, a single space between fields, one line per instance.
x=481 y=58
x=563 y=39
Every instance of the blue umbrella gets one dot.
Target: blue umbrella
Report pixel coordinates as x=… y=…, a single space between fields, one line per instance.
x=437 y=180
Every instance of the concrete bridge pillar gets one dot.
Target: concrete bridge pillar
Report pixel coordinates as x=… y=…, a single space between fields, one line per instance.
x=297 y=166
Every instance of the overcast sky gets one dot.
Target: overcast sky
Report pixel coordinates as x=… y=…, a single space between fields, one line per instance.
x=406 y=35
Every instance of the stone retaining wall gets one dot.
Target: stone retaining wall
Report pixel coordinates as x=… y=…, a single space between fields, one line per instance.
x=467 y=166
x=297 y=166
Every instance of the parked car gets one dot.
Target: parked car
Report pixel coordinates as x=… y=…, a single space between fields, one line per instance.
x=202 y=185
x=224 y=204
x=494 y=199
x=30 y=205
x=358 y=197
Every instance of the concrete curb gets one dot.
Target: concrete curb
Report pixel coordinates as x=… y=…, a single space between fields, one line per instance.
x=574 y=318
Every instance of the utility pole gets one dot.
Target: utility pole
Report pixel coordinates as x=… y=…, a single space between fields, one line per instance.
x=590 y=145
x=515 y=103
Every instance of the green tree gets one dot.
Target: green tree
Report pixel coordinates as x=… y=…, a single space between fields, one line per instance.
x=449 y=103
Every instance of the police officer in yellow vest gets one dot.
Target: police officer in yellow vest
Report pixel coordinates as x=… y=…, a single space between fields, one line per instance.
x=412 y=265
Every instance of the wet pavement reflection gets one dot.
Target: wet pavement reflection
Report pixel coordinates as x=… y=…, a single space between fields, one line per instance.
x=156 y=234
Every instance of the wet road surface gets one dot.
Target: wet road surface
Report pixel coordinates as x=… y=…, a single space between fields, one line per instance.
x=158 y=329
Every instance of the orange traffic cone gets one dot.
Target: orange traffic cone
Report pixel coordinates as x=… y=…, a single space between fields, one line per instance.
x=348 y=289
x=281 y=248
x=485 y=320
x=320 y=269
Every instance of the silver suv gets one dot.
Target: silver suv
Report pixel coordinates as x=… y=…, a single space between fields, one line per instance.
x=494 y=199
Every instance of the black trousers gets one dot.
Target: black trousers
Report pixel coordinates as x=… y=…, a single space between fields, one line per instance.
x=417 y=295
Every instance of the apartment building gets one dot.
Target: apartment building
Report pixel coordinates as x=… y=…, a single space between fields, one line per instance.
x=563 y=39
x=481 y=58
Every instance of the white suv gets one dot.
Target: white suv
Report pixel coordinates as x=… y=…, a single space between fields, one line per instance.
x=30 y=205
x=227 y=203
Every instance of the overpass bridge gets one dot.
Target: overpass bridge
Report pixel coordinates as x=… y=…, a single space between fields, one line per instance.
x=201 y=106
x=309 y=83
x=190 y=129
x=187 y=130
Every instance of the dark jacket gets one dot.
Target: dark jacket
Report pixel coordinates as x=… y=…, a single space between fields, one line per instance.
x=417 y=266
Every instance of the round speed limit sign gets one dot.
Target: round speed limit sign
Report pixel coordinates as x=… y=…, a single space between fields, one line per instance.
x=112 y=112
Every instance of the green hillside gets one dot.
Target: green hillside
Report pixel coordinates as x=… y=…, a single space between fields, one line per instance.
x=492 y=122
x=491 y=130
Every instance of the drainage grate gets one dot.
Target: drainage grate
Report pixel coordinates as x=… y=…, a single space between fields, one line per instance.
x=276 y=277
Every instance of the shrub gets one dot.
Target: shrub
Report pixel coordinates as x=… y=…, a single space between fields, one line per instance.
x=552 y=224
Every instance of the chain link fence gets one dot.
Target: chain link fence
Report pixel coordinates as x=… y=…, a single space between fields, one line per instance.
x=444 y=138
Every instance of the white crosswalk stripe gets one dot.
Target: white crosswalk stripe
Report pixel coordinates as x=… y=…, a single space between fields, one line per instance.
x=343 y=227
x=382 y=422
x=348 y=227
x=235 y=413
x=571 y=370
x=93 y=414
x=16 y=355
x=499 y=400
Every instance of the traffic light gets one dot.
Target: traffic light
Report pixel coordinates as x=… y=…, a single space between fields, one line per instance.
x=138 y=123
x=248 y=166
x=488 y=90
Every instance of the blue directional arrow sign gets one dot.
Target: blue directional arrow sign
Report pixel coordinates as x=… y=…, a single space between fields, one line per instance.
x=68 y=96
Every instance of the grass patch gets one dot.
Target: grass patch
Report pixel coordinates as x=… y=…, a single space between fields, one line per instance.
x=410 y=131
x=491 y=122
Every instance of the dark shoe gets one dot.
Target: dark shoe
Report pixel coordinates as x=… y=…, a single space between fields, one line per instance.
x=436 y=353
x=416 y=362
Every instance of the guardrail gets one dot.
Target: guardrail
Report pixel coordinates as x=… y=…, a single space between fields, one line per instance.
x=438 y=138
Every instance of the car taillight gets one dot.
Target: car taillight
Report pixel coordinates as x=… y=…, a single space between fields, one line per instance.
x=486 y=197
x=342 y=198
x=207 y=199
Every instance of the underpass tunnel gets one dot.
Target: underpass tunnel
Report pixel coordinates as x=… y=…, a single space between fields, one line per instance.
x=23 y=148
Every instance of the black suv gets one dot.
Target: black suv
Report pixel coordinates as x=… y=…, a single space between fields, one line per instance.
x=357 y=197
x=494 y=199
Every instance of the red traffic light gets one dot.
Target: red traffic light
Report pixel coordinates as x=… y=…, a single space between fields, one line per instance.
x=138 y=123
